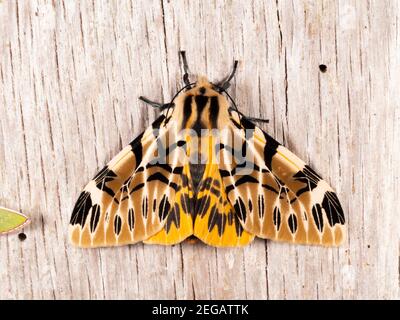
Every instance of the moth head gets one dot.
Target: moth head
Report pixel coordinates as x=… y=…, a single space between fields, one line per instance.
x=203 y=87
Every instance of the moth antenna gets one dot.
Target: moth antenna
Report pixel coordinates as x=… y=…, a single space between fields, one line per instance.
x=185 y=68
x=157 y=105
x=257 y=119
x=249 y=118
x=226 y=83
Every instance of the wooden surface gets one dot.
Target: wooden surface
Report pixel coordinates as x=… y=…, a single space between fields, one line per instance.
x=70 y=76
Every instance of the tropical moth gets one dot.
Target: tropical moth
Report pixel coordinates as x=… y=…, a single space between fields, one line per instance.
x=204 y=170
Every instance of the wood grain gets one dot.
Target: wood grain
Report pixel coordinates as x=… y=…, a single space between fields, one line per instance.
x=70 y=76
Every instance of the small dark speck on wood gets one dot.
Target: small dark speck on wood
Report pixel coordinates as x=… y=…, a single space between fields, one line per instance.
x=22 y=236
x=323 y=68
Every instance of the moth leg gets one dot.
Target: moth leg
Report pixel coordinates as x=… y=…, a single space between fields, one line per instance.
x=257 y=119
x=160 y=106
x=225 y=84
x=185 y=68
x=249 y=118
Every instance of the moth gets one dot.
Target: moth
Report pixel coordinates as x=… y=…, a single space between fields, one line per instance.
x=11 y=220
x=204 y=170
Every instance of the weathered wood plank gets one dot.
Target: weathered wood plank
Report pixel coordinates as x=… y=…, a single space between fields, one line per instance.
x=70 y=75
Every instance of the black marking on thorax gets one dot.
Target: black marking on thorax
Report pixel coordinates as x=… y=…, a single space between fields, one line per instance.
x=200 y=105
x=201 y=102
x=187 y=110
x=214 y=111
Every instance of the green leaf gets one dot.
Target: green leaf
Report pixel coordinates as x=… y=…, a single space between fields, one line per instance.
x=11 y=220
